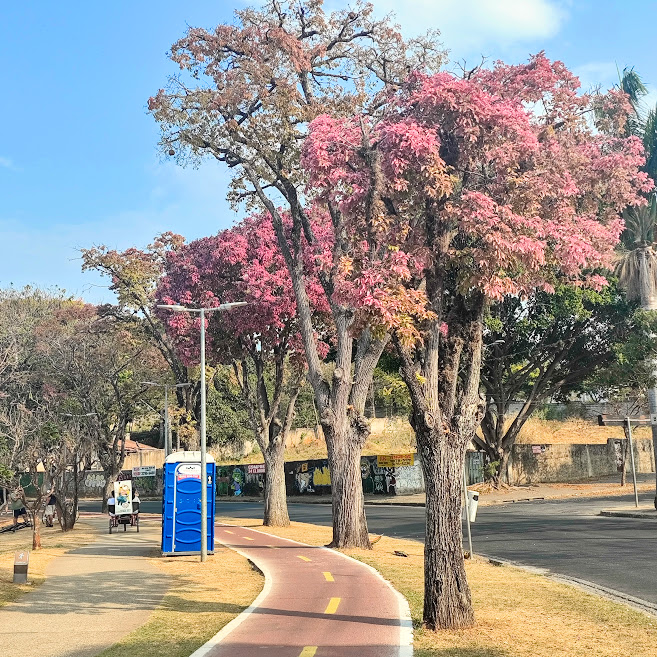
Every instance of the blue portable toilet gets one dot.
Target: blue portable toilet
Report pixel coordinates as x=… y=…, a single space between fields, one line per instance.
x=181 y=503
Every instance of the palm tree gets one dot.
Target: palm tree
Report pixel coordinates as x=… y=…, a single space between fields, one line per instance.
x=636 y=267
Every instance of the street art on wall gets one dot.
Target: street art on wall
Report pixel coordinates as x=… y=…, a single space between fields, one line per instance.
x=390 y=474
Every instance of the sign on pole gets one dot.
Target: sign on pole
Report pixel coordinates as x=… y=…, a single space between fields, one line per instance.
x=143 y=471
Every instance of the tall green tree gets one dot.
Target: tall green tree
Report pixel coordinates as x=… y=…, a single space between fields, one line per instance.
x=543 y=347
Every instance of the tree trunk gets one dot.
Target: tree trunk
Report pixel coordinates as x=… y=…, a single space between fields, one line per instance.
x=348 y=503
x=447 y=600
x=276 y=514
x=503 y=458
x=36 y=528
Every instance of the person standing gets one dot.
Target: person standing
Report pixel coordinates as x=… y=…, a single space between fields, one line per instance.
x=17 y=505
x=51 y=506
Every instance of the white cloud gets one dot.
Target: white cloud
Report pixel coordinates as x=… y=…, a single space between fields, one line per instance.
x=471 y=26
x=6 y=163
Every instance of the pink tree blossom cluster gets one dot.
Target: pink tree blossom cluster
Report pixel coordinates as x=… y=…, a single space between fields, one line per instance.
x=243 y=263
x=506 y=174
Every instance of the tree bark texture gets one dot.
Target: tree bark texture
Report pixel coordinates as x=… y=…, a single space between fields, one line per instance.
x=36 y=528
x=442 y=377
x=347 y=500
x=447 y=599
x=276 y=514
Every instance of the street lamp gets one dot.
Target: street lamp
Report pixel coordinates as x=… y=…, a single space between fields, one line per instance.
x=204 y=467
x=166 y=387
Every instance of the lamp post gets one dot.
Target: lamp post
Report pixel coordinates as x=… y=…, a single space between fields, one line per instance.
x=204 y=467
x=168 y=448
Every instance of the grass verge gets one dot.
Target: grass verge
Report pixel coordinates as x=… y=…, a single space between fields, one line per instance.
x=201 y=600
x=519 y=614
x=54 y=543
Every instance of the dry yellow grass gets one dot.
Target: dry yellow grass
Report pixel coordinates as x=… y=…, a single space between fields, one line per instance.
x=201 y=600
x=572 y=430
x=519 y=614
x=54 y=543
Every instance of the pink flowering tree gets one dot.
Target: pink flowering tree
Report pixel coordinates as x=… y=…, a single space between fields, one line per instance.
x=261 y=341
x=493 y=184
x=244 y=96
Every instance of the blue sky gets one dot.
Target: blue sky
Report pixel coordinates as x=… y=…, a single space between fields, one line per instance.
x=78 y=158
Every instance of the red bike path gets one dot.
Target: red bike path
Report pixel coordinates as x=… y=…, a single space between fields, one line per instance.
x=316 y=602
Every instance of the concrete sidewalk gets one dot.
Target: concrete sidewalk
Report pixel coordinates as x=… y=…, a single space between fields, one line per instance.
x=641 y=511
x=92 y=597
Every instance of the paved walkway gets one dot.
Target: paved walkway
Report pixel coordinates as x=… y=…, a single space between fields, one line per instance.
x=316 y=603
x=91 y=598
x=642 y=511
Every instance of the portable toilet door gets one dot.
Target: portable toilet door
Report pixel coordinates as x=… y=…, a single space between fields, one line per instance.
x=181 y=520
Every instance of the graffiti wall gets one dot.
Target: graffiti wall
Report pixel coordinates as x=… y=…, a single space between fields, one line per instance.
x=240 y=480
x=389 y=474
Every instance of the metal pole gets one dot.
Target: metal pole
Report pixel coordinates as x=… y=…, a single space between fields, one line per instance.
x=166 y=420
x=467 y=507
x=629 y=436
x=204 y=475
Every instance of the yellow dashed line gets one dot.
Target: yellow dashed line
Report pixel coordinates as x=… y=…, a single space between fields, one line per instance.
x=328 y=577
x=332 y=606
x=303 y=558
x=229 y=532
x=308 y=651
x=246 y=538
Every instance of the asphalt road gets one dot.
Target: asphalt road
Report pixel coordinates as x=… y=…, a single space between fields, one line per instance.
x=564 y=536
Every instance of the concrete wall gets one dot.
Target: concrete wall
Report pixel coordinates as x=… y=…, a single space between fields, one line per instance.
x=144 y=457
x=564 y=463
x=93 y=482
